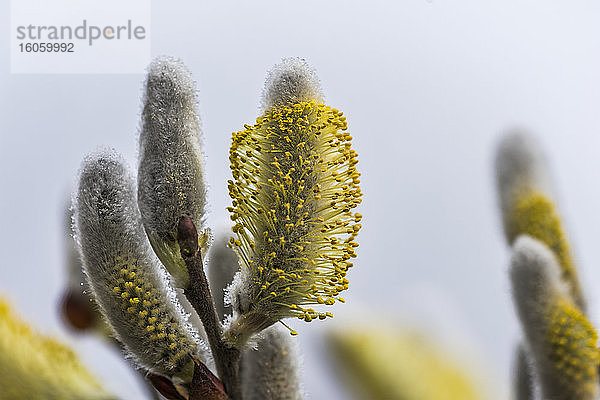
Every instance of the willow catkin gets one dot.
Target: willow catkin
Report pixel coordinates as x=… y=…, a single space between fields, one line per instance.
x=271 y=370
x=527 y=205
x=561 y=341
x=170 y=175
x=124 y=275
x=294 y=190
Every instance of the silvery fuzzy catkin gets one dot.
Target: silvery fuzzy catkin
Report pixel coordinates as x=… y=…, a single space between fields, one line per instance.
x=125 y=276
x=294 y=188
x=561 y=340
x=291 y=82
x=524 y=386
x=222 y=266
x=527 y=205
x=270 y=371
x=170 y=175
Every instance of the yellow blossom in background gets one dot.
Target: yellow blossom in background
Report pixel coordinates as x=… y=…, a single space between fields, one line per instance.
x=382 y=364
x=33 y=366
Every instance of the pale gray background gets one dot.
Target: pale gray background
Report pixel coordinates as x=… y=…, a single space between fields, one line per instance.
x=427 y=87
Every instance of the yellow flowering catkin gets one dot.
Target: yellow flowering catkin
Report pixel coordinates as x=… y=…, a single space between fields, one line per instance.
x=534 y=215
x=170 y=175
x=381 y=364
x=33 y=366
x=294 y=188
x=561 y=340
x=527 y=205
x=125 y=276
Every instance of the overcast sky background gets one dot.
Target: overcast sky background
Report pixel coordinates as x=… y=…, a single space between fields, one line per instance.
x=427 y=87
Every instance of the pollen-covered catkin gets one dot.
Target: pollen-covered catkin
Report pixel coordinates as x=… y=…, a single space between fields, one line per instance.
x=33 y=366
x=270 y=371
x=527 y=205
x=170 y=175
x=294 y=189
x=561 y=340
x=125 y=276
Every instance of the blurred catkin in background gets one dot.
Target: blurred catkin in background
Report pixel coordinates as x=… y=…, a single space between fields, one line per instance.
x=560 y=355
x=33 y=366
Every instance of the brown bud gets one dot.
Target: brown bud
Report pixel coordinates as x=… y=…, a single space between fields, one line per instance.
x=187 y=235
x=77 y=310
x=205 y=385
x=164 y=386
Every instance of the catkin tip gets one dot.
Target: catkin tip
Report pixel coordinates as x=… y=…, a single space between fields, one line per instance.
x=534 y=272
x=169 y=79
x=521 y=167
x=97 y=166
x=289 y=82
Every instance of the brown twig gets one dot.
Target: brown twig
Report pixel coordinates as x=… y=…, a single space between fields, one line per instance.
x=198 y=293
